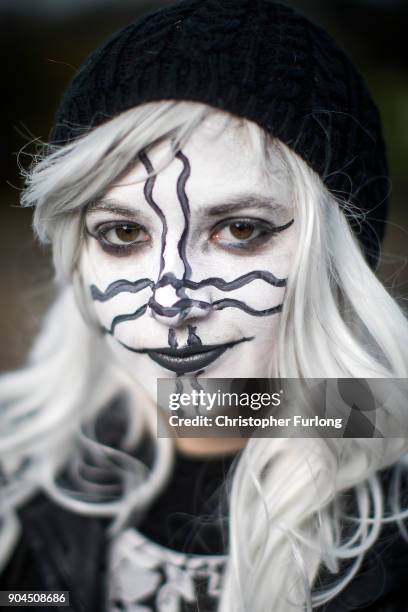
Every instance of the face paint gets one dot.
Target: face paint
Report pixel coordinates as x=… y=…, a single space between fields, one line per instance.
x=200 y=282
x=192 y=337
x=172 y=339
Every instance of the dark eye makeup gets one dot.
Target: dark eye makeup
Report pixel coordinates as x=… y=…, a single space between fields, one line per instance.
x=120 y=237
x=243 y=233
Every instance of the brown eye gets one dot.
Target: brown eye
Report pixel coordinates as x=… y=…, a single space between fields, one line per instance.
x=128 y=233
x=242 y=231
x=125 y=234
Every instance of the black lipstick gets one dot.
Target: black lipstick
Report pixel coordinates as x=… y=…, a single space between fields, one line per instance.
x=189 y=358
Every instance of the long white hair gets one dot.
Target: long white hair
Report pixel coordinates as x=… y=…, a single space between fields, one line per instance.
x=286 y=495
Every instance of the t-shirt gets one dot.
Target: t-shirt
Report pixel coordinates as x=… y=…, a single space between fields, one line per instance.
x=174 y=560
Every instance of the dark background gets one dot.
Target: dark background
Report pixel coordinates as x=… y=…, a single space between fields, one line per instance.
x=43 y=42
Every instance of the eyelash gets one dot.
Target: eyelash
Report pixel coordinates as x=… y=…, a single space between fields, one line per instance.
x=102 y=230
x=267 y=232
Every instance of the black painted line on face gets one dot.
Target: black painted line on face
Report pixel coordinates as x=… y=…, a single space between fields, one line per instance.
x=127 y=317
x=185 y=207
x=179 y=384
x=193 y=338
x=220 y=283
x=194 y=381
x=185 y=304
x=148 y=193
x=228 y=303
x=172 y=339
x=281 y=228
x=179 y=308
x=120 y=286
x=170 y=279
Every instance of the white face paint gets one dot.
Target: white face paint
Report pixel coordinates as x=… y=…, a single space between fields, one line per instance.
x=187 y=269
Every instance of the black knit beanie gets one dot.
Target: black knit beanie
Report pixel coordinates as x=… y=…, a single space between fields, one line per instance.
x=256 y=59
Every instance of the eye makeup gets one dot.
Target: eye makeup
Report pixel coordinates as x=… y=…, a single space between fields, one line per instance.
x=120 y=237
x=123 y=237
x=245 y=233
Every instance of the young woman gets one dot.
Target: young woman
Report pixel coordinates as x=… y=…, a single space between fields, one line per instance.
x=215 y=193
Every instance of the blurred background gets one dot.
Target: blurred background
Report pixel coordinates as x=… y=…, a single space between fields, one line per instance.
x=43 y=42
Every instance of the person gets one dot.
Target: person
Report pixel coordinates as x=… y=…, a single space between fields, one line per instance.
x=215 y=193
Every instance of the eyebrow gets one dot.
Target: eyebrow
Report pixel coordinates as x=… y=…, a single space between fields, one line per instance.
x=250 y=200
x=112 y=206
x=232 y=204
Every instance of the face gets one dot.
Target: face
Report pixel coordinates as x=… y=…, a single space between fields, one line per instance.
x=186 y=269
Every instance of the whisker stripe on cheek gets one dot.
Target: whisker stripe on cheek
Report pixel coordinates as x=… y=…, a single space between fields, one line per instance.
x=125 y=286
x=120 y=286
x=220 y=283
x=127 y=317
x=228 y=303
x=178 y=307
x=186 y=304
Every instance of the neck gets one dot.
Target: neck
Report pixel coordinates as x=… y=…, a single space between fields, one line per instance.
x=209 y=447
x=194 y=447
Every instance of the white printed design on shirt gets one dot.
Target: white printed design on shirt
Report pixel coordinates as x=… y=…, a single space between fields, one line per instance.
x=147 y=577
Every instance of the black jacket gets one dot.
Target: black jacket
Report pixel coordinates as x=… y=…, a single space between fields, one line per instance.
x=60 y=550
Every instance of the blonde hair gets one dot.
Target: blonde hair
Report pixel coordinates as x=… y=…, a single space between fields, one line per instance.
x=286 y=494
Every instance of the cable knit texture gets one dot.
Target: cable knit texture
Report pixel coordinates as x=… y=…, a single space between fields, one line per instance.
x=256 y=59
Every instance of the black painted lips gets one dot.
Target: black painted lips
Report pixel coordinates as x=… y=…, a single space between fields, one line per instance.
x=189 y=358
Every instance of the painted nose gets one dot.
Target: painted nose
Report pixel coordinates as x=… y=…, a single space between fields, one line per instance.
x=172 y=303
